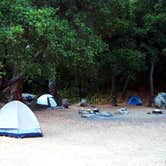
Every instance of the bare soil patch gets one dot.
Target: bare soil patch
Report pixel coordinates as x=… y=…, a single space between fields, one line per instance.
x=125 y=140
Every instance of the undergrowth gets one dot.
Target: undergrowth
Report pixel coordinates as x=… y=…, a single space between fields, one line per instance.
x=100 y=98
x=93 y=98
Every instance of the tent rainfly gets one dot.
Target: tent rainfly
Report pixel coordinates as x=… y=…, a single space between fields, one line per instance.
x=17 y=120
x=47 y=100
x=135 y=100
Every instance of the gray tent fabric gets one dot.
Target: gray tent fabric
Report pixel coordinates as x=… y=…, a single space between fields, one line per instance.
x=47 y=100
x=17 y=120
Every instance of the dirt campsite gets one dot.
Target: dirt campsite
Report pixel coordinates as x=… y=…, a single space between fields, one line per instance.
x=111 y=53
x=136 y=138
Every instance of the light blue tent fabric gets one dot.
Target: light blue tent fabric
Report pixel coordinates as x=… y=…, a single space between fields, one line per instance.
x=17 y=120
x=135 y=100
x=160 y=99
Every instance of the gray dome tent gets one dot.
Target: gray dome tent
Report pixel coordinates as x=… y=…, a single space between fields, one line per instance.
x=17 y=120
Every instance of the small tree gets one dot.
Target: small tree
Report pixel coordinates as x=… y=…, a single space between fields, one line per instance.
x=151 y=33
x=29 y=35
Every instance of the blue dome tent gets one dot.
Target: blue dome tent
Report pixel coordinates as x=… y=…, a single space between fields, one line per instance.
x=135 y=100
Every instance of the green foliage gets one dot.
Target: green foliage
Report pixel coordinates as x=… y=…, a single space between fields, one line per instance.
x=125 y=62
x=81 y=43
x=152 y=30
x=40 y=41
x=99 y=98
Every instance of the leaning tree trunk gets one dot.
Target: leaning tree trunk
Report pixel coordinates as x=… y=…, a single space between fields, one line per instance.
x=53 y=91
x=151 y=85
x=17 y=87
x=114 y=100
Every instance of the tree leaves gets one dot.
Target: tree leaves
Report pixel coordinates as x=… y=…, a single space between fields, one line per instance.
x=120 y=36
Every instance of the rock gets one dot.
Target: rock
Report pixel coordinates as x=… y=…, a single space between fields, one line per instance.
x=65 y=103
x=149 y=113
x=84 y=103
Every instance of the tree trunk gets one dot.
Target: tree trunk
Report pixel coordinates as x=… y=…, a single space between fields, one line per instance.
x=3 y=82
x=125 y=88
x=17 y=87
x=151 y=85
x=77 y=81
x=114 y=100
x=53 y=91
x=16 y=90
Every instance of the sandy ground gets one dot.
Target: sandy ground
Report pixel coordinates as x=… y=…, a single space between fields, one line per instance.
x=136 y=139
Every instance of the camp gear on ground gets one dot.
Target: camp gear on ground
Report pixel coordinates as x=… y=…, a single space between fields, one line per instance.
x=88 y=113
x=28 y=97
x=122 y=111
x=157 y=111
